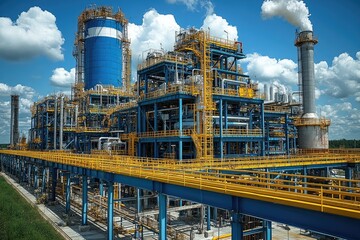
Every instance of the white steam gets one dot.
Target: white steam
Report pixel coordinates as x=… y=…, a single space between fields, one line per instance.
x=293 y=11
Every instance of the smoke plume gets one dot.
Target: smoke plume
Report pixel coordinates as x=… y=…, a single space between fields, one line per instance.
x=294 y=11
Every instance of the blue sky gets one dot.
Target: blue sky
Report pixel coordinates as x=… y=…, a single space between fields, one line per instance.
x=36 y=47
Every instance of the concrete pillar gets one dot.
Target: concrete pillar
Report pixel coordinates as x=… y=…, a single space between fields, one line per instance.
x=68 y=183
x=84 y=200
x=236 y=226
x=162 y=216
x=110 y=216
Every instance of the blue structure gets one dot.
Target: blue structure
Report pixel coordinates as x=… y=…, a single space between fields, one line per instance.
x=347 y=227
x=103 y=53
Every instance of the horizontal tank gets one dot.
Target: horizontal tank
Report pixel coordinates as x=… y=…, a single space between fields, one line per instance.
x=103 y=52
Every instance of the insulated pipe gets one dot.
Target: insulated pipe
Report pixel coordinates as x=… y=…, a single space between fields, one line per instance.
x=230 y=81
x=76 y=115
x=109 y=138
x=61 y=123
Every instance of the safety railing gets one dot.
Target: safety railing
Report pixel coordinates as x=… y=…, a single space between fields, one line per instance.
x=122 y=106
x=239 y=132
x=223 y=43
x=92 y=129
x=312 y=122
x=245 y=92
x=341 y=199
x=164 y=58
x=171 y=89
x=165 y=133
x=278 y=109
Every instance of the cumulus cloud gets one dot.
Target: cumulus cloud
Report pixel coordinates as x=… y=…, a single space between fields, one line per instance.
x=156 y=31
x=196 y=4
x=342 y=78
x=26 y=98
x=345 y=120
x=219 y=27
x=266 y=69
x=34 y=33
x=63 y=78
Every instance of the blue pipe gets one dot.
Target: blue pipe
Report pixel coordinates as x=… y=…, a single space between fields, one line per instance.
x=68 y=182
x=162 y=216
x=84 y=200
x=110 y=232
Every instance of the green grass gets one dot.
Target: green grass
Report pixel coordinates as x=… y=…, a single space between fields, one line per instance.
x=20 y=220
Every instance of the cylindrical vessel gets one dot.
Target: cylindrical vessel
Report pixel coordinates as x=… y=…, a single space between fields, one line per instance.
x=305 y=41
x=103 y=52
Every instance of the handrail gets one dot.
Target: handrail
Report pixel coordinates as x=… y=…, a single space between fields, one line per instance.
x=238 y=132
x=164 y=133
x=341 y=200
x=171 y=89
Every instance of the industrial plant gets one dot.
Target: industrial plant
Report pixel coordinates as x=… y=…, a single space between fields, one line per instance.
x=192 y=145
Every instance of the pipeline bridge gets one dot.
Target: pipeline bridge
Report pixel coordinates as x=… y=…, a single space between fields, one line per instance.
x=258 y=187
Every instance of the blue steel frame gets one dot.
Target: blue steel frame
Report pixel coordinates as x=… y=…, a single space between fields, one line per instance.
x=306 y=219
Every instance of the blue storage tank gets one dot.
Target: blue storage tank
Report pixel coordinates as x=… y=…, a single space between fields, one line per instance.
x=103 y=53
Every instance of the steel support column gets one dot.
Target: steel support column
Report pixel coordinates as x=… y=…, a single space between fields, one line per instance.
x=236 y=226
x=68 y=182
x=84 y=200
x=29 y=174
x=221 y=141
x=349 y=175
x=54 y=182
x=208 y=226
x=268 y=229
x=36 y=172
x=180 y=128
x=101 y=188
x=138 y=200
x=110 y=218
x=162 y=216
x=305 y=179
x=43 y=183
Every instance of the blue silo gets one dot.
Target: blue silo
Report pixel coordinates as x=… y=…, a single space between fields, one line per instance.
x=103 y=52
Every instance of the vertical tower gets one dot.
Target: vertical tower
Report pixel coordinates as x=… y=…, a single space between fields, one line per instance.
x=313 y=131
x=14 y=121
x=101 y=48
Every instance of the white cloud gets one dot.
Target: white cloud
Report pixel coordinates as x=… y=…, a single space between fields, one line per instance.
x=34 y=33
x=63 y=78
x=193 y=5
x=268 y=70
x=26 y=98
x=156 y=31
x=345 y=120
x=342 y=78
x=219 y=26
